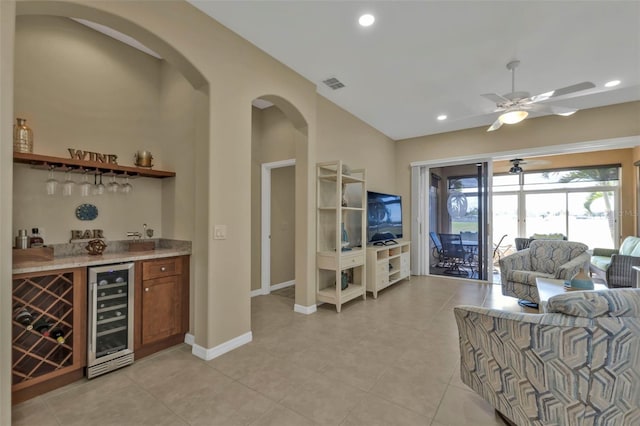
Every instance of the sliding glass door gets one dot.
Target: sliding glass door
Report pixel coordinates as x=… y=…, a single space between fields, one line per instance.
x=459 y=209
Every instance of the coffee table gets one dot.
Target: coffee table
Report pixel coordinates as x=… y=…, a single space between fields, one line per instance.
x=548 y=287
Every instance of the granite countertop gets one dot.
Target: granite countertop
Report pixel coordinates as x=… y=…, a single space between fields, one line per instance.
x=68 y=255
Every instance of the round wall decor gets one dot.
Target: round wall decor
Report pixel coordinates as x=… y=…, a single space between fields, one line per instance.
x=86 y=212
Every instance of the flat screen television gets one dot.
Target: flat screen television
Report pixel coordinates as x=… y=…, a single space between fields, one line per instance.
x=384 y=217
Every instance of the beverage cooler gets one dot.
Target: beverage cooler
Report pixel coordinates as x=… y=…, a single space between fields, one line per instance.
x=110 y=318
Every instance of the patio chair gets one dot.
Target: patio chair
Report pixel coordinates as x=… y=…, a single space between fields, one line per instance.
x=437 y=249
x=454 y=254
x=499 y=251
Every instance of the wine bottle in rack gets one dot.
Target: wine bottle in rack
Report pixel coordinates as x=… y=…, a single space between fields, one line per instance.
x=42 y=327
x=24 y=317
x=57 y=334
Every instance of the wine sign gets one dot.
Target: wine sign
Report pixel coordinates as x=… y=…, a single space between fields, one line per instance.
x=96 y=157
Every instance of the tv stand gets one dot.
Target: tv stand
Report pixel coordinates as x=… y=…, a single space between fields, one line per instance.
x=387 y=264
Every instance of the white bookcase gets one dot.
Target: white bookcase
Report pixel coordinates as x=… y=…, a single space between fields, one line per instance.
x=386 y=265
x=341 y=211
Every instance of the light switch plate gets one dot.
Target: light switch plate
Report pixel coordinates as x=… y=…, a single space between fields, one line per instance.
x=220 y=232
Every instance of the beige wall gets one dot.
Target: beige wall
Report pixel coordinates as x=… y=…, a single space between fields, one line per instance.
x=175 y=151
x=279 y=137
x=344 y=137
x=7 y=26
x=256 y=202
x=595 y=125
x=80 y=89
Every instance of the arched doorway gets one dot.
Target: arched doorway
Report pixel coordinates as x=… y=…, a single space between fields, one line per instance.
x=279 y=138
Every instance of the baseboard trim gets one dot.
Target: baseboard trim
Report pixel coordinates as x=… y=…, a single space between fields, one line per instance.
x=282 y=285
x=257 y=292
x=189 y=339
x=307 y=310
x=221 y=349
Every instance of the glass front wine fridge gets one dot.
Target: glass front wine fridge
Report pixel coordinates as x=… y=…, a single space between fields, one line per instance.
x=110 y=328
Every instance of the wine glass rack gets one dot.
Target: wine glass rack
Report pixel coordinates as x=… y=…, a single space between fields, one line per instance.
x=55 y=298
x=47 y=162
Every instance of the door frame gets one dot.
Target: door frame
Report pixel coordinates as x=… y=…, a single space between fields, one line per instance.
x=265 y=252
x=420 y=212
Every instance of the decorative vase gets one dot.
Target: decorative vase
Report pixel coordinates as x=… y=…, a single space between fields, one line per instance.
x=143 y=159
x=345 y=280
x=582 y=280
x=22 y=136
x=344 y=243
x=344 y=196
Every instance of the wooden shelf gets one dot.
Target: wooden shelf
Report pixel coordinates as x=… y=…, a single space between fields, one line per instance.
x=330 y=295
x=334 y=186
x=45 y=162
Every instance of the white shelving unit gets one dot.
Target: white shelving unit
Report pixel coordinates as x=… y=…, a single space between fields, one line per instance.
x=386 y=265
x=338 y=257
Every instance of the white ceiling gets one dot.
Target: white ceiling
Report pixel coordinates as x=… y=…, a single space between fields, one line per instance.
x=425 y=58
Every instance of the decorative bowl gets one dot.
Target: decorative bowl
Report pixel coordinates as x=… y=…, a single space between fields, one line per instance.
x=95 y=247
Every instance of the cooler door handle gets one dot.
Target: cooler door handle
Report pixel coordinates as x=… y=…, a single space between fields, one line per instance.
x=94 y=304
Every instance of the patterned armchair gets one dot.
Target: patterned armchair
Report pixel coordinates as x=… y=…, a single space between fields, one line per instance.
x=578 y=364
x=556 y=259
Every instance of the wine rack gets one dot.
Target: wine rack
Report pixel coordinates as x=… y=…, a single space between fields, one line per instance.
x=59 y=299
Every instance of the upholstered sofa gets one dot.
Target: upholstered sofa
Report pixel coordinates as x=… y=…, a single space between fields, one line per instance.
x=556 y=259
x=614 y=266
x=578 y=364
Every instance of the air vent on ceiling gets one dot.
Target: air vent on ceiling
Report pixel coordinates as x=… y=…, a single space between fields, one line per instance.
x=333 y=83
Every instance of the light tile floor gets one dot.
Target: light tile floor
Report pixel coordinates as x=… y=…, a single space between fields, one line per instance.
x=387 y=361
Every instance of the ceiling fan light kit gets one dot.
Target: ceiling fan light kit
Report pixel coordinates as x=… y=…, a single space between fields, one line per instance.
x=515 y=166
x=513 y=117
x=515 y=106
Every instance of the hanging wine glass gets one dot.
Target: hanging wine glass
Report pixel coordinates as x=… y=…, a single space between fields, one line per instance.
x=68 y=185
x=99 y=186
x=85 y=186
x=126 y=186
x=51 y=184
x=113 y=186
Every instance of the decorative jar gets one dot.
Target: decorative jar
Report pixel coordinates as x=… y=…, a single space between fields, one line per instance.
x=22 y=136
x=143 y=159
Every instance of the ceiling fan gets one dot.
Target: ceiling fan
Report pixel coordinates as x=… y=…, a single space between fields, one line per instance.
x=515 y=106
x=516 y=162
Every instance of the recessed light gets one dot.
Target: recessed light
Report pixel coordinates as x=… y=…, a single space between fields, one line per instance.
x=366 y=20
x=442 y=117
x=612 y=83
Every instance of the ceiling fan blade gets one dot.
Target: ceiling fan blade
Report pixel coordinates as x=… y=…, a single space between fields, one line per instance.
x=494 y=97
x=573 y=88
x=552 y=109
x=495 y=126
x=561 y=92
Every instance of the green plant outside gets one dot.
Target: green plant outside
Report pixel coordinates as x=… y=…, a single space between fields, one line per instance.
x=456 y=227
